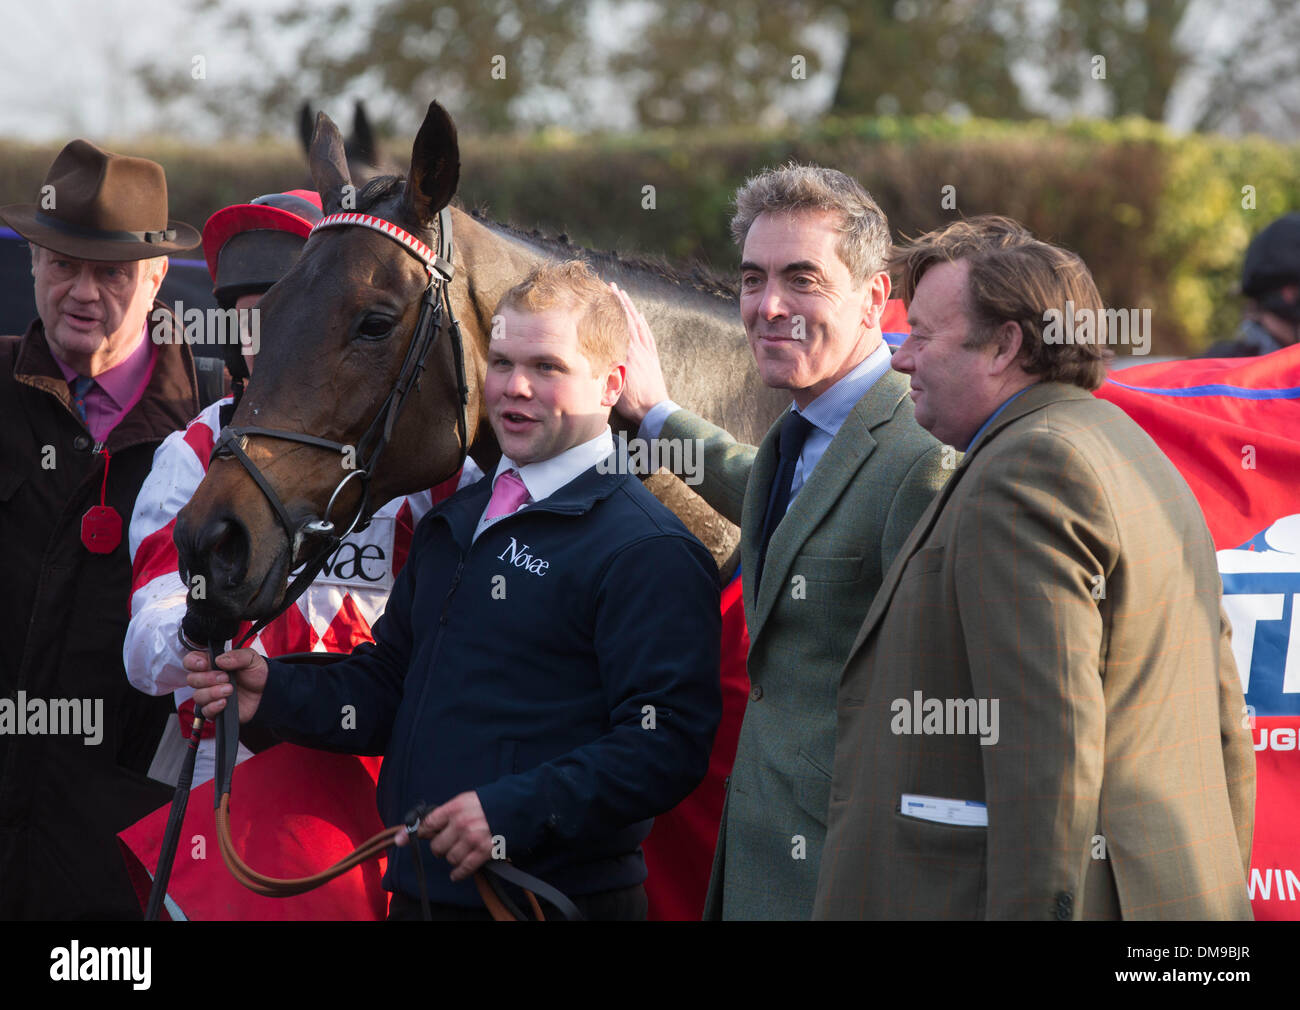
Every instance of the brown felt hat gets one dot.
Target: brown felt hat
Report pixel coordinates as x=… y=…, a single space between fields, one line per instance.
x=102 y=207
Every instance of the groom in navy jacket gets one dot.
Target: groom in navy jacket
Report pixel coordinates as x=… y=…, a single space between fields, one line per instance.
x=546 y=672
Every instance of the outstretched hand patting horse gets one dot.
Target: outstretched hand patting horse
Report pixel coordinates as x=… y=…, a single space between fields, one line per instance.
x=365 y=390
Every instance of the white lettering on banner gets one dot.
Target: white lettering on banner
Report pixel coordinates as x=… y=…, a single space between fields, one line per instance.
x=1262 y=883
x=520 y=557
x=1245 y=611
x=1278 y=738
x=1261 y=596
x=364 y=559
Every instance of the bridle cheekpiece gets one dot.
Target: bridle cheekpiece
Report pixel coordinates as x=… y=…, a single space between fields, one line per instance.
x=435 y=313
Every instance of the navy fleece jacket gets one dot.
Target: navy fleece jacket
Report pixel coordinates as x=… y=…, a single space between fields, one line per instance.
x=564 y=666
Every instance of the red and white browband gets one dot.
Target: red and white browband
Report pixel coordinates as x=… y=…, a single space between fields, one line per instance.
x=434 y=263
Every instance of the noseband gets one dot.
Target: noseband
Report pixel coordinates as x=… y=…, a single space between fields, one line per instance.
x=435 y=315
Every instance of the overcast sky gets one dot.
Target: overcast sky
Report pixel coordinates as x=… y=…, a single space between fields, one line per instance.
x=66 y=67
x=67 y=63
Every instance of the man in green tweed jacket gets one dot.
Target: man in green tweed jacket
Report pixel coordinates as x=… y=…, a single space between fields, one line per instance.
x=824 y=504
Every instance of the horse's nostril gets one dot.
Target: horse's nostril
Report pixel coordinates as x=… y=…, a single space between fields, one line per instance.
x=224 y=543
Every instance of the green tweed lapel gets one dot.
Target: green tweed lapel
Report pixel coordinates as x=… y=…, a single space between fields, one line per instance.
x=761 y=474
x=844 y=457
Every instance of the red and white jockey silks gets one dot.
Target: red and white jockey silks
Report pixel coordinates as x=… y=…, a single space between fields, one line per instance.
x=335 y=614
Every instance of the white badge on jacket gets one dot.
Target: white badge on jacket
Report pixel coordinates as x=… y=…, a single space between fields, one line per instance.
x=967 y=813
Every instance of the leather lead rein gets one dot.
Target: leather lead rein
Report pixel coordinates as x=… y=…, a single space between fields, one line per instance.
x=230 y=444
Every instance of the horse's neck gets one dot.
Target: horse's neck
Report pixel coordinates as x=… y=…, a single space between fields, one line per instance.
x=706 y=360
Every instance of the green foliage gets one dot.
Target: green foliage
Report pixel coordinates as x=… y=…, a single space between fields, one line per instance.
x=693 y=62
x=1158 y=216
x=930 y=56
x=1139 y=43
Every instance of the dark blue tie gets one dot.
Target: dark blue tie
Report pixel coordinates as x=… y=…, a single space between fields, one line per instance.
x=790 y=441
x=80 y=387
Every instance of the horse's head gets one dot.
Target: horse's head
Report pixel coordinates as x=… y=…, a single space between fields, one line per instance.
x=335 y=333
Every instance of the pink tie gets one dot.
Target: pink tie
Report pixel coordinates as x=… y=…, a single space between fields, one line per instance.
x=507 y=495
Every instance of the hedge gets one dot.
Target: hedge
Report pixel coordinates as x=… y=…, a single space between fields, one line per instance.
x=1161 y=218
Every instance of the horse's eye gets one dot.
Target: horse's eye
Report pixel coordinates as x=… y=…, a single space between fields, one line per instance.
x=375 y=327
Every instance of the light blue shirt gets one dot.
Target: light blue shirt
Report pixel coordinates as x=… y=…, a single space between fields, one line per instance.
x=993 y=417
x=827 y=413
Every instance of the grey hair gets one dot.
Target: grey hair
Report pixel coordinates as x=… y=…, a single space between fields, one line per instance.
x=864 y=244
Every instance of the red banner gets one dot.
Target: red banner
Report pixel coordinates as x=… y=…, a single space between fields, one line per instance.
x=293 y=812
x=1232 y=427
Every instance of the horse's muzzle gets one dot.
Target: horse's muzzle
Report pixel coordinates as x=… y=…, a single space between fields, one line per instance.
x=214 y=559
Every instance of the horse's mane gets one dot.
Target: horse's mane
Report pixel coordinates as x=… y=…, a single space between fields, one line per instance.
x=694 y=275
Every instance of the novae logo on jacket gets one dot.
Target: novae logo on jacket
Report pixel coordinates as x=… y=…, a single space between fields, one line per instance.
x=521 y=558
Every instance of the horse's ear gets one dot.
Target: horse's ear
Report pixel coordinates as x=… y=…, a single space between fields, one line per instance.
x=363 y=135
x=435 y=165
x=305 y=126
x=329 y=165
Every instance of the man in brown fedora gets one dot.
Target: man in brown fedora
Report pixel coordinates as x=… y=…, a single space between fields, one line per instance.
x=86 y=395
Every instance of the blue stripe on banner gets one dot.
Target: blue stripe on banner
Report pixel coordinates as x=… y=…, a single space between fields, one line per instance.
x=176 y=261
x=1238 y=392
x=894 y=339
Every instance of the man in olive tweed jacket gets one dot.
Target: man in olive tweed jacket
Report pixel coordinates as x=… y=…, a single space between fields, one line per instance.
x=865 y=475
x=1061 y=589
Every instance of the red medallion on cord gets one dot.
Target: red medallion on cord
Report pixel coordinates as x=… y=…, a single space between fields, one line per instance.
x=101 y=526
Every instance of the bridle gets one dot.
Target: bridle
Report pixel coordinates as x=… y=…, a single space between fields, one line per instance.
x=436 y=314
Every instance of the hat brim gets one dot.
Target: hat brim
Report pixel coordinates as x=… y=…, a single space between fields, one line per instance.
x=21 y=217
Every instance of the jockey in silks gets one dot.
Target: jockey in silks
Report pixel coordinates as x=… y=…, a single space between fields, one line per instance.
x=248 y=248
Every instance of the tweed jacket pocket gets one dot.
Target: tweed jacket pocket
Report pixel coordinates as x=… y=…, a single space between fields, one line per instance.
x=816 y=569
x=959 y=850
x=812 y=787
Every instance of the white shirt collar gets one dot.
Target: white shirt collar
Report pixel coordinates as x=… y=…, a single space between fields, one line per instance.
x=547 y=476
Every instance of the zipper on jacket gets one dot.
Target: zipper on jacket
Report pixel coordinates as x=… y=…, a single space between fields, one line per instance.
x=404 y=785
x=455 y=581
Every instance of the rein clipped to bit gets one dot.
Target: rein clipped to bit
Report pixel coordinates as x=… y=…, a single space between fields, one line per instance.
x=436 y=315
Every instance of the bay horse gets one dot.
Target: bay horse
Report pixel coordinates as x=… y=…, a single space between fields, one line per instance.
x=340 y=324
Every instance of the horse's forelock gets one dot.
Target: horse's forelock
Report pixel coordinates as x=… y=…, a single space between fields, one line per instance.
x=379 y=189
x=391 y=190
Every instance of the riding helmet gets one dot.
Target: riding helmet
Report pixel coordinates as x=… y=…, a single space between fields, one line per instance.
x=250 y=246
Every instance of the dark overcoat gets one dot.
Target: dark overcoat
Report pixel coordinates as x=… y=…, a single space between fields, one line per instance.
x=63 y=617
